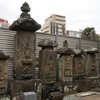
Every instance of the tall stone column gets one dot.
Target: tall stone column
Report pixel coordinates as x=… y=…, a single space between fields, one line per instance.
x=65 y=69
x=48 y=61
x=78 y=62
x=48 y=70
x=3 y=75
x=91 y=68
x=24 y=52
x=79 y=70
x=65 y=63
x=90 y=59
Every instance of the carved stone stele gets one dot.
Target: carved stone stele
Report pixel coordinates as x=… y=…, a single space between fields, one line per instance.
x=47 y=61
x=78 y=61
x=90 y=61
x=25 y=43
x=25 y=63
x=65 y=70
x=3 y=73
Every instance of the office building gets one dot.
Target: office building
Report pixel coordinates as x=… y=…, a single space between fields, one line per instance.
x=55 y=24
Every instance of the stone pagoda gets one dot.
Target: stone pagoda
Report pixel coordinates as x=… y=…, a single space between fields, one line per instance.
x=24 y=53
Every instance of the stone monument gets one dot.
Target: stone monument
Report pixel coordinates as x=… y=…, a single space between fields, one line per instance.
x=65 y=68
x=91 y=68
x=78 y=61
x=48 y=70
x=24 y=52
x=90 y=65
x=48 y=61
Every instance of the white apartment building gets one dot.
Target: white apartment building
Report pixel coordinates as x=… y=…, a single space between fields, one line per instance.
x=54 y=24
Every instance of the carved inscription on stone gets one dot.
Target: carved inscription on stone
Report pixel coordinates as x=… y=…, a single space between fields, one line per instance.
x=91 y=65
x=48 y=65
x=24 y=55
x=65 y=68
x=78 y=65
x=3 y=77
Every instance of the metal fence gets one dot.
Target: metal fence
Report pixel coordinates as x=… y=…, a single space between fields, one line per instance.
x=7 y=45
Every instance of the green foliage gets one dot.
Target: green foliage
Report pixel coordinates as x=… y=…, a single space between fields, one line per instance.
x=88 y=33
x=87 y=30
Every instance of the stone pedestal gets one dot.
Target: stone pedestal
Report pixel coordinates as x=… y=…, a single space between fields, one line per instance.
x=52 y=92
x=18 y=87
x=69 y=88
x=84 y=85
x=65 y=70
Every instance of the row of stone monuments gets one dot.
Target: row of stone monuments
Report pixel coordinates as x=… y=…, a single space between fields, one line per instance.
x=57 y=77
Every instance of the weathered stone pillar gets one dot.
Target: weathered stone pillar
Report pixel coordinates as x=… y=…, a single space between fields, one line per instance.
x=25 y=43
x=91 y=68
x=89 y=80
x=3 y=74
x=79 y=70
x=48 y=70
x=65 y=70
x=78 y=62
x=48 y=61
x=90 y=61
x=65 y=63
x=24 y=52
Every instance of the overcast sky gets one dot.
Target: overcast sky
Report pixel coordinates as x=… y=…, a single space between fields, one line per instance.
x=79 y=13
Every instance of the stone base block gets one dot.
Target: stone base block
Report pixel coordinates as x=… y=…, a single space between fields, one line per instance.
x=52 y=92
x=69 y=88
x=84 y=85
x=18 y=87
